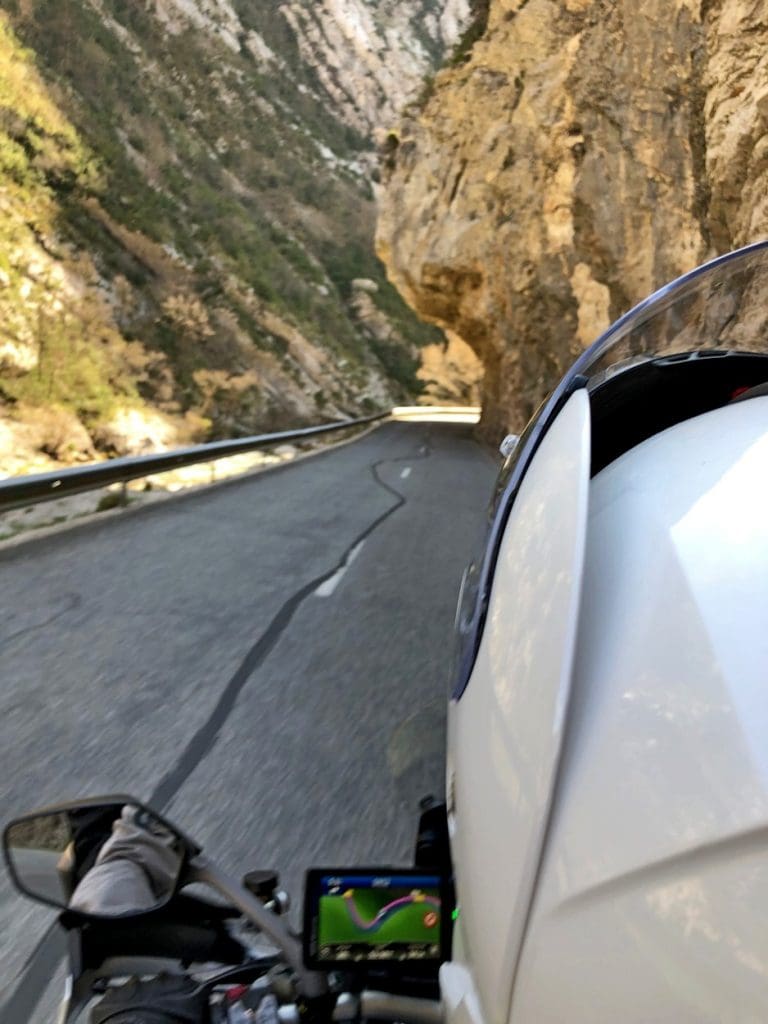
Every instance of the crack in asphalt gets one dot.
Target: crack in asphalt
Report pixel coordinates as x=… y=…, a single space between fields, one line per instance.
x=72 y=601
x=36 y=973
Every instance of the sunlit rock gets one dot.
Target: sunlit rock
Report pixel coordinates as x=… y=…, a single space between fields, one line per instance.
x=582 y=154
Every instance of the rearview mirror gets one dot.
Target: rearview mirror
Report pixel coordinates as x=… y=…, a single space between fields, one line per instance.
x=105 y=859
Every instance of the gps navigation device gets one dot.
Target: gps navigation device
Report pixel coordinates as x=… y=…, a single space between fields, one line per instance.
x=362 y=917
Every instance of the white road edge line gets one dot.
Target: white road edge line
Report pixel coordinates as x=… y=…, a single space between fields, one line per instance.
x=328 y=586
x=406 y=473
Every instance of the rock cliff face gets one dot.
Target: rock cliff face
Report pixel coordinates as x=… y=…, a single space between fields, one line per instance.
x=371 y=58
x=583 y=154
x=186 y=200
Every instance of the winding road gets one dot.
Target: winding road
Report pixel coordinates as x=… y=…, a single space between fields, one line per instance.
x=266 y=661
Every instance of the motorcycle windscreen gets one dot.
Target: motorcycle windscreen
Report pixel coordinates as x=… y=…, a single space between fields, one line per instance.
x=505 y=733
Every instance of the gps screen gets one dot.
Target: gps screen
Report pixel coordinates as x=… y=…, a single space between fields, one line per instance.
x=377 y=917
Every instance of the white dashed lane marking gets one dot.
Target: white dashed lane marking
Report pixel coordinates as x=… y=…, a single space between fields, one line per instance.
x=328 y=586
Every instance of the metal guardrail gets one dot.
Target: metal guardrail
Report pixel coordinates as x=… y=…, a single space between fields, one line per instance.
x=15 y=492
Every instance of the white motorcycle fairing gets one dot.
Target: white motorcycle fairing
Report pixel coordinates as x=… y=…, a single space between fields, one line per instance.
x=653 y=897
x=506 y=731
x=641 y=881
x=608 y=739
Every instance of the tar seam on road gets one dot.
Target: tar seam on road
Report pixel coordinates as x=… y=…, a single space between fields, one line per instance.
x=327 y=588
x=204 y=739
x=36 y=973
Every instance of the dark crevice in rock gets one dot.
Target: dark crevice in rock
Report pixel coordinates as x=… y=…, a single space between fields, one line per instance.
x=698 y=142
x=457 y=182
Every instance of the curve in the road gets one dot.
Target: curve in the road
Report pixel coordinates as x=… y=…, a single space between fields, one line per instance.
x=36 y=973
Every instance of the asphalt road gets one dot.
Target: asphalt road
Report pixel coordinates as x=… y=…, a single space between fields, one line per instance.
x=267 y=661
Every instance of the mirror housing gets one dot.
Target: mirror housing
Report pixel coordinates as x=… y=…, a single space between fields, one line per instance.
x=508 y=445
x=104 y=857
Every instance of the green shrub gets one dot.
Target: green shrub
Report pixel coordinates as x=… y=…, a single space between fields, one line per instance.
x=110 y=500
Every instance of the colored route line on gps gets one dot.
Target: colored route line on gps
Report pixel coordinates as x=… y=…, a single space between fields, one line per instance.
x=385 y=912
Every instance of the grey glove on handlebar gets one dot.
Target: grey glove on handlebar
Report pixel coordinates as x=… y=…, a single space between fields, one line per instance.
x=135 y=869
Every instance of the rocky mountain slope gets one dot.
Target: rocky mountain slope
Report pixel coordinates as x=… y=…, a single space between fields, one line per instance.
x=581 y=154
x=187 y=215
